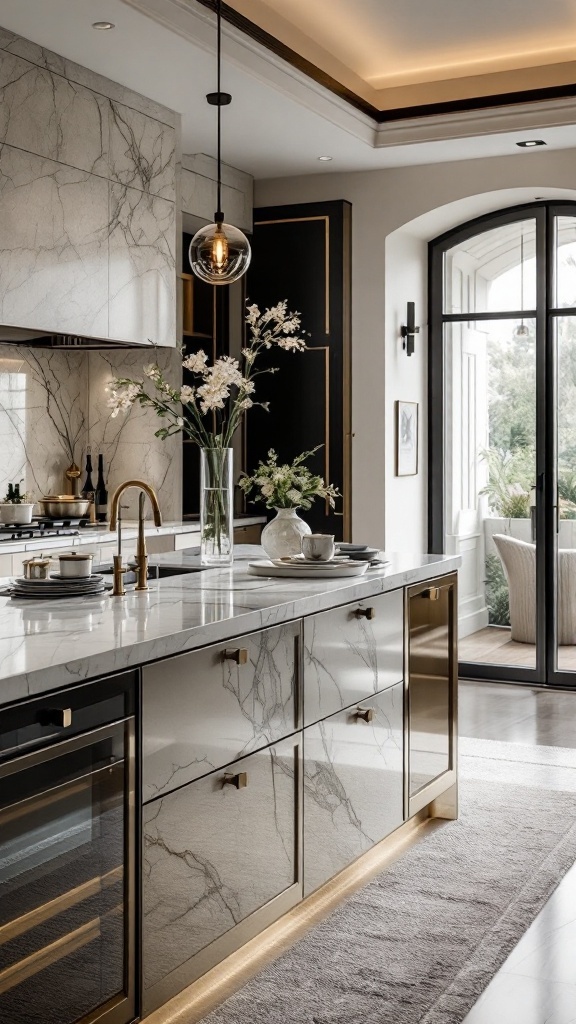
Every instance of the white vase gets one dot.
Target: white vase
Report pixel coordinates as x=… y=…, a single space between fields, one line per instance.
x=283 y=535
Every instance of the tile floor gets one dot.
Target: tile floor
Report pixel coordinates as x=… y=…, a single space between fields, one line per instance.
x=537 y=983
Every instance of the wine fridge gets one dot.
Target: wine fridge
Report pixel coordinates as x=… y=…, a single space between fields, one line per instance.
x=67 y=857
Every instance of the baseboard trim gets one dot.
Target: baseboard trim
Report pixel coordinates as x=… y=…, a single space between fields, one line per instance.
x=218 y=984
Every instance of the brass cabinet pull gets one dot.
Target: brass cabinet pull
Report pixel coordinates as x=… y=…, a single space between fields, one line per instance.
x=365 y=613
x=432 y=595
x=61 y=717
x=240 y=656
x=240 y=780
x=366 y=714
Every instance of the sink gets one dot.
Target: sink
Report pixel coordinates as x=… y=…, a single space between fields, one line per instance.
x=155 y=572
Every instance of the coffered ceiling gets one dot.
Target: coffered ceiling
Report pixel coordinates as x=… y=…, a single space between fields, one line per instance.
x=394 y=55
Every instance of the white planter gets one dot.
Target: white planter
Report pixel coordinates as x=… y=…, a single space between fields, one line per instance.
x=20 y=514
x=283 y=535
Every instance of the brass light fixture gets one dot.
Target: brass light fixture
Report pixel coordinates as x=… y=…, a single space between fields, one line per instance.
x=219 y=253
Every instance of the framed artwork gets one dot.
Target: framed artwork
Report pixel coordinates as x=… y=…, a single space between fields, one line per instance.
x=406 y=438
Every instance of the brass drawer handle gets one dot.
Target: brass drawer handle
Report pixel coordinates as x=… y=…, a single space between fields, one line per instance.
x=366 y=714
x=432 y=595
x=60 y=717
x=240 y=656
x=240 y=780
x=365 y=613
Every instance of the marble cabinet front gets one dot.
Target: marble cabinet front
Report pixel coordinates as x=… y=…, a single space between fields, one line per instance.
x=353 y=783
x=214 y=852
x=352 y=652
x=207 y=708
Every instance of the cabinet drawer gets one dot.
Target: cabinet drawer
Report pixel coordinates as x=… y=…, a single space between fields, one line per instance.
x=353 y=784
x=204 y=709
x=347 y=656
x=214 y=854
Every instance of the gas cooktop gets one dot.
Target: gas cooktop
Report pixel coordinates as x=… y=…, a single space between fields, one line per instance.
x=39 y=528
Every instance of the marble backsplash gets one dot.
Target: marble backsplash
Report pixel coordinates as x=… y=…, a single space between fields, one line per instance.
x=53 y=405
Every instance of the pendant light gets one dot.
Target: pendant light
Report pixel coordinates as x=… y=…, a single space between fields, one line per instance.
x=219 y=253
x=522 y=330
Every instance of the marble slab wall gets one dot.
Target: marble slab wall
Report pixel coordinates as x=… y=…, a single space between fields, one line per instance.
x=88 y=218
x=53 y=405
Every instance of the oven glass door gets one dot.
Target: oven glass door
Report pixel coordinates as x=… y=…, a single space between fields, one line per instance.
x=66 y=885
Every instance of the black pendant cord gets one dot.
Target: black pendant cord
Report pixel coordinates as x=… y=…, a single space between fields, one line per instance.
x=219 y=215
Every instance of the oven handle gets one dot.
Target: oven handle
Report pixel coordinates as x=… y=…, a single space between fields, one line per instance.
x=23 y=761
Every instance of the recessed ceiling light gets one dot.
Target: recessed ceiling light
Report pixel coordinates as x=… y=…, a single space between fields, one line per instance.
x=325 y=158
x=103 y=26
x=530 y=143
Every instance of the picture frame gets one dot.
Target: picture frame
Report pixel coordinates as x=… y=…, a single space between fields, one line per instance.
x=406 y=438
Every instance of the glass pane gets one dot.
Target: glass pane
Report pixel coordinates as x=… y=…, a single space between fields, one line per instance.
x=492 y=272
x=62 y=902
x=565 y=262
x=566 y=438
x=490 y=458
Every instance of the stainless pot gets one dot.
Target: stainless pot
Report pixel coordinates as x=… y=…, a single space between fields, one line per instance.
x=73 y=564
x=64 y=506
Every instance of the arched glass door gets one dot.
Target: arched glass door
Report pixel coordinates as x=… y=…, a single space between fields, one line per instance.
x=503 y=437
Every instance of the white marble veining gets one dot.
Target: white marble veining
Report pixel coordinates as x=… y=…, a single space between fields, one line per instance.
x=87 y=202
x=53 y=404
x=46 y=645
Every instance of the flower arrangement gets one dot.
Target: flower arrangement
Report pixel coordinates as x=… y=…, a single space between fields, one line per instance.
x=210 y=410
x=13 y=496
x=287 y=486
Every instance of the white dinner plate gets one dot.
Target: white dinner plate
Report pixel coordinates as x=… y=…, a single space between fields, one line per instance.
x=284 y=569
x=308 y=563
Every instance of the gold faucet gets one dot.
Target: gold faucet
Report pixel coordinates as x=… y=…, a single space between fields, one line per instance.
x=141 y=554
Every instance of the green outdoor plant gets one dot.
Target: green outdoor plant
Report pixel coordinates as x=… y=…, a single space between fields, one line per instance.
x=497 y=596
x=510 y=479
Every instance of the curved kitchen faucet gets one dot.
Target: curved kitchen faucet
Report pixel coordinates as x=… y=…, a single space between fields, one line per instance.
x=141 y=553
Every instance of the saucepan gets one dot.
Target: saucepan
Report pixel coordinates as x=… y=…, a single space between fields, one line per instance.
x=64 y=506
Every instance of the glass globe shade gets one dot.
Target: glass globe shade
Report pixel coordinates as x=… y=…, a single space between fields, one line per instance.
x=522 y=331
x=219 y=254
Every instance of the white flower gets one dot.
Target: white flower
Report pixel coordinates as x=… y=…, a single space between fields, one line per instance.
x=196 y=361
x=226 y=371
x=268 y=490
x=294 y=495
x=245 y=403
x=247 y=387
x=212 y=394
x=151 y=370
x=186 y=394
x=252 y=314
x=294 y=344
x=179 y=422
x=122 y=397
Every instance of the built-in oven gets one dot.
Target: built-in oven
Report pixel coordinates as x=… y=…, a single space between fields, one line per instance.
x=67 y=857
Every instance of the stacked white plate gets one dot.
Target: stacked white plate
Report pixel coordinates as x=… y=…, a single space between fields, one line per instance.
x=57 y=586
x=308 y=568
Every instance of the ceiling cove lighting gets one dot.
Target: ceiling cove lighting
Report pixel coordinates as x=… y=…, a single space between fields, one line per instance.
x=219 y=253
x=530 y=143
x=103 y=26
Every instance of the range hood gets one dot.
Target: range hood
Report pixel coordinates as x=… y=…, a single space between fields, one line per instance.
x=37 y=339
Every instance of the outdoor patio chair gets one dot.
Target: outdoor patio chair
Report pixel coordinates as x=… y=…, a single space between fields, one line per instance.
x=519 y=561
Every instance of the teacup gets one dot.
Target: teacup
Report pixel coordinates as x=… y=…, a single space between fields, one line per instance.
x=318 y=546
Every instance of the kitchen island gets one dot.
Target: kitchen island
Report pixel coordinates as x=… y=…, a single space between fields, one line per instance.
x=288 y=727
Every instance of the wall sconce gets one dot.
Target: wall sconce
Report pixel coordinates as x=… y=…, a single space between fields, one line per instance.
x=409 y=330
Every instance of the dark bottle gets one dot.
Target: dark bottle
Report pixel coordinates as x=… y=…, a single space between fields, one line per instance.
x=88 y=488
x=10 y=495
x=101 y=498
x=17 y=499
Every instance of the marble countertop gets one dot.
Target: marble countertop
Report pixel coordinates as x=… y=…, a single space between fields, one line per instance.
x=102 y=534
x=45 y=645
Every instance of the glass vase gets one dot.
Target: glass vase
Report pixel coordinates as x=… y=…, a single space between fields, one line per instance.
x=282 y=536
x=216 y=506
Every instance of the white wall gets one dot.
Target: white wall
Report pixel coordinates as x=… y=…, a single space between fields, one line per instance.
x=416 y=203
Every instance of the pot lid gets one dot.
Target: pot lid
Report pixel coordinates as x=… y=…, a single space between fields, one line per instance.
x=73 y=556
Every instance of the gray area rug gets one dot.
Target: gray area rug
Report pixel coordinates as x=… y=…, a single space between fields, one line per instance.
x=421 y=941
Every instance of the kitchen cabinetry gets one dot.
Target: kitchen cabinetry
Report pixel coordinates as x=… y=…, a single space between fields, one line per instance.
x=353 y=783
x=207 y=708
x=432 y=670
x=352 y=652
x=217 y=852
